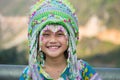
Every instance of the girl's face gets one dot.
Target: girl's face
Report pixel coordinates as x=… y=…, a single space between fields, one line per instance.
x=53 y=41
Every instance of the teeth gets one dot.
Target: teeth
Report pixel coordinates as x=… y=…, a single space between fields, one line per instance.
x=53 y=47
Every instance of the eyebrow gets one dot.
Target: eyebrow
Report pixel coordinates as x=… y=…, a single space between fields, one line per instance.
x=47 y=31
x=51 y=30
x=60 y=31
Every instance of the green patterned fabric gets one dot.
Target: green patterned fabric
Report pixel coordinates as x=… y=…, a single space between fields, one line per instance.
x=45 y=12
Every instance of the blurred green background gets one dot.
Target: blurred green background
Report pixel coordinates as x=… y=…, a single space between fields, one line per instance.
x=99 y=25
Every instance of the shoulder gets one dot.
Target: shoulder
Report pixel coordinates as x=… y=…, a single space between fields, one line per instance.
x=87 y=71
x=83 y=64
x=26 y=74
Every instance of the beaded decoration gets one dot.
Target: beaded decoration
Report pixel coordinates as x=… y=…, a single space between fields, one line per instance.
x=45 y=12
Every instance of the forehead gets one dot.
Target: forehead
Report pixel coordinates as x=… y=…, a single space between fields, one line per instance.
x=54 y=28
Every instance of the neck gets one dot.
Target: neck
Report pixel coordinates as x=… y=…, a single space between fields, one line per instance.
x=55 y=66
x=55 y=62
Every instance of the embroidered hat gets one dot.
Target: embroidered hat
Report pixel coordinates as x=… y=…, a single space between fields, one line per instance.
x=45 y=12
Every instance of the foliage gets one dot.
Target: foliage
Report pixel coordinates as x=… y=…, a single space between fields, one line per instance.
x=15 y=55
x=107 y=10
x=95 y=51
x=90 y=49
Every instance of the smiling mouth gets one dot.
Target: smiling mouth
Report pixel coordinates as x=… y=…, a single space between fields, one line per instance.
x=53 y=47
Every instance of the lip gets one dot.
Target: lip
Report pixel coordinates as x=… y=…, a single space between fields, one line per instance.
x=53 y=47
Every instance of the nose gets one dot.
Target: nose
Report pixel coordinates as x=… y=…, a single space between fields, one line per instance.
x=53 y=40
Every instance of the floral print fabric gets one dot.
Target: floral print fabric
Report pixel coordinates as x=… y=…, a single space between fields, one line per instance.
x=86 y=71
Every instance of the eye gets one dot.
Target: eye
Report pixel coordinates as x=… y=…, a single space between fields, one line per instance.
x=46 y=34
x=60 y=34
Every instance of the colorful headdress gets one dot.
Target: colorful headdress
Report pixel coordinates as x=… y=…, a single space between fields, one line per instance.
x=45 y=12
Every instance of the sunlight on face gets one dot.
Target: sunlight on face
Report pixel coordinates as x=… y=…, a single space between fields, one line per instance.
x=55 y=29
x=53 y=40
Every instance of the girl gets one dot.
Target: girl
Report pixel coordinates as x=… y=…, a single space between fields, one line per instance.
x=53 y=35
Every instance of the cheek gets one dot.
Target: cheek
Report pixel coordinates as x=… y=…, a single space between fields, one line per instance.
x=64 y=40
x=42 y=40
